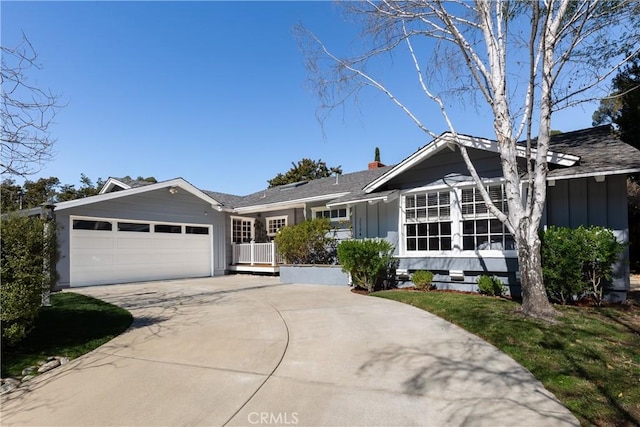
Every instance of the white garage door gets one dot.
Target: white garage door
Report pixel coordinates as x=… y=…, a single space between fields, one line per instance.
x=105 y=251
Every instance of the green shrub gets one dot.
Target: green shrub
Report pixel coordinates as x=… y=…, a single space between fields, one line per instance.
x=29 y=253
x=310 y=242
x=369 y=261
x=490 y=285
x=578 y=262
x=422 y=279
x=561 y=252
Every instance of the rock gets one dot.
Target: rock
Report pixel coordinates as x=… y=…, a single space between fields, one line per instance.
x=63 y=360
x=49 y=366
x=29 y=370
x=27 y=377
x=51 y=358
x=9 y=384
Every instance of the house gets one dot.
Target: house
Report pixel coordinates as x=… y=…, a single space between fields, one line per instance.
x=426 y=206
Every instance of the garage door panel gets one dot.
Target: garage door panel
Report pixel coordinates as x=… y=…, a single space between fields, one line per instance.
x=103 y=257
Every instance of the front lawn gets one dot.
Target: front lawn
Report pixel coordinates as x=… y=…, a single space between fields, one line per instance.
x=74 y=325
x=590 y=359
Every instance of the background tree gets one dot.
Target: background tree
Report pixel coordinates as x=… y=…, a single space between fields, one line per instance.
x=304 y=170
x=523 y=60
x=622 y=107
x=27 y=112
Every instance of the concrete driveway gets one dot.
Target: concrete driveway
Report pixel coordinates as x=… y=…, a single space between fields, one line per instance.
x=244 y=350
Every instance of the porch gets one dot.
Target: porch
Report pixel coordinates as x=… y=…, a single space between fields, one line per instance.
x=255 y=258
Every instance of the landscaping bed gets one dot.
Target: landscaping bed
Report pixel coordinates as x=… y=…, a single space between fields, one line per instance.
x=73 y=325
x=589 y=358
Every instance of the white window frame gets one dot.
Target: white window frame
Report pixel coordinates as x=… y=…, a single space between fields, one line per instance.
x=402 y=225
x=456 y=224
x=325 y=209
x=244 y=219
x=269 y=219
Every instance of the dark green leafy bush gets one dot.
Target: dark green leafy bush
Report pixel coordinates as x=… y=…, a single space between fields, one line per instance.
x=310 y=242
x=578 y=262
x=422 y=279
x=29 y=253
x=490 y=285
x=369 y=261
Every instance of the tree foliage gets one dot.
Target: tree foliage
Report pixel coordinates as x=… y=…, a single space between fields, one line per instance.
x=304 y=170
x=622 y=107
x=27 y=112
x=521 y=61
x=28 y=256
x=310 y=242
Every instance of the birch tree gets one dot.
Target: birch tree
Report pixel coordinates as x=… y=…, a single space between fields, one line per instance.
x=27 y=111
x=521 y=60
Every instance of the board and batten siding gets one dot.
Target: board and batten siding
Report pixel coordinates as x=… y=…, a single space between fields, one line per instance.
x=155 y=206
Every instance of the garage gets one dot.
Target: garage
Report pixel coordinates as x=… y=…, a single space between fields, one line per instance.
x=107 y=250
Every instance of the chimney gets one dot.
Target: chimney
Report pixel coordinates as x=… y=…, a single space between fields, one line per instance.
x=376 y=162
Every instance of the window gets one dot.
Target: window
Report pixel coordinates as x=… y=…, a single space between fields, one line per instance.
x=274 y=224
x=189 y=229
x=167 y=228
x=332 y=214
x=81 y=224
x=427 y=218
x=241 y=230
x=480 y=229
x=133 y=226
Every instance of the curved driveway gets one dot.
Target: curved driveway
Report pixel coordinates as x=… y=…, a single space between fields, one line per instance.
x=244 y=350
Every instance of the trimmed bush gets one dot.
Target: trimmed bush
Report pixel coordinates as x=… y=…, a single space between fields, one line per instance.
x=369 y=261
x=578 y=262
x=310 y=242
x=29 y=253
x=490 y=285
x=422 y=279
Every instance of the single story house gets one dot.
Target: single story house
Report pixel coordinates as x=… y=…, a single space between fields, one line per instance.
x=426 y=206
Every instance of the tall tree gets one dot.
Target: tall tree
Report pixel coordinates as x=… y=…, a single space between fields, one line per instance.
x=522 y=59
x=622 y=107
x=27 y=112
x=304 y=170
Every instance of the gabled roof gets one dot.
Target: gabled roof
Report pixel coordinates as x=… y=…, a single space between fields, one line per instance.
x=118 y=184
x=173 y=184
x=447 y=140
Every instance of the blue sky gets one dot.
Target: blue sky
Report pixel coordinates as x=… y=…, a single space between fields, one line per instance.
x=214 y=92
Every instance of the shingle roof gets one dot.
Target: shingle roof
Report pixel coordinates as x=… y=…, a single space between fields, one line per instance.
x=134 y=183
x=600 y=151
x=227 y=200
x=323 y=188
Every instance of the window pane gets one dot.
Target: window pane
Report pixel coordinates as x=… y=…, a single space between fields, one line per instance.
x=468 y=243
x=411 y=244
x=445 y=243
x=467 y=195
x=496 y=226
x=445 y=228
x=432 y=199
x=421 y=213
x=433 y=229
x=422 y=244
x=433 y=213
x=342 y=213
x=133 y=226
x=410 y=202
x=422 y=229
x=444 y=197
x=411 y=215
x=411 y=230
x=445 y=212
x=196 y=230
x=482 y=226
x=467 y=227
x=81 y=224
x=509 y=243
x=421 y=200
x=167 y=228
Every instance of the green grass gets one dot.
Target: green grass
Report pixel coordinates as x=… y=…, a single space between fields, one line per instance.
x=73 y=325
x=590 y=358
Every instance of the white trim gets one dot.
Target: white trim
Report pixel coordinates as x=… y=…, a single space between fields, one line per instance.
x=177 y=182
x=593 y=174
x=112 y=182
x=287 y=204
x=446 y=140
x=274 y=218
x=387 y=198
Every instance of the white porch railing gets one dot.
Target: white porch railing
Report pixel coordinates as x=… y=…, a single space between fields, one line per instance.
x=256 y=253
